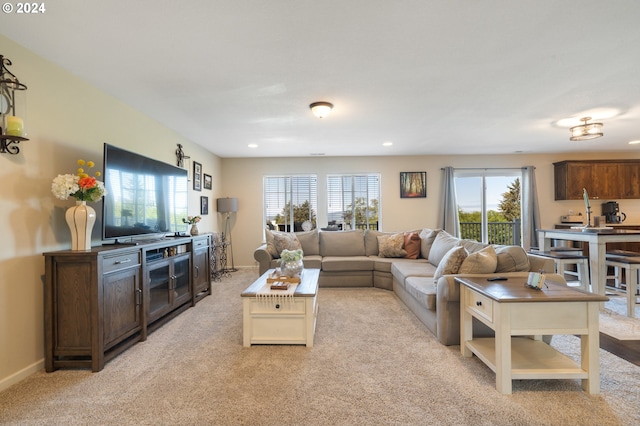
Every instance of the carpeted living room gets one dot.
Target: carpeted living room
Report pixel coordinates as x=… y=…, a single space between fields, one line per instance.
x=373 y=362
x=363 y=114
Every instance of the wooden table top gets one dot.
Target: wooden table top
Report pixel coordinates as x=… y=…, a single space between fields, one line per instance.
x=308 y=286
x=515 y=290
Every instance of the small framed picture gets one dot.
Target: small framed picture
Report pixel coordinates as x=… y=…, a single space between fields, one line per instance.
x=204 y=205
x=197 y=176
x=413 y=184
x=207 y=181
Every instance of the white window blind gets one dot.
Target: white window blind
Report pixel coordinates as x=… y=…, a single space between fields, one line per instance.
x=290 y=200
x=353 y=201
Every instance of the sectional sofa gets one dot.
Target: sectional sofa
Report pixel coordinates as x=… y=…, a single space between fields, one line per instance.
x=419 y=266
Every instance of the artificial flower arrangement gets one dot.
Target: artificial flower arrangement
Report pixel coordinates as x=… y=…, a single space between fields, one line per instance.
x=191 y=220
x=80 y=186
x=291 y=255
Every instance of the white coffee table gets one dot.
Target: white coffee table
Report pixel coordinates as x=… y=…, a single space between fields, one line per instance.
x=281 y=320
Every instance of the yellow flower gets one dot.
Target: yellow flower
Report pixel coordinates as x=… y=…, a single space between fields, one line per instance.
x=80 y=162
x=80 y=170
x=90 y=164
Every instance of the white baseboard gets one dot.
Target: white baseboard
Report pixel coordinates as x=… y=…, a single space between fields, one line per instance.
x=21 y=375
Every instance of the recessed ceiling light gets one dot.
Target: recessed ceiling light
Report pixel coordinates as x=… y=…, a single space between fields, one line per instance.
x=634 y=142
x=253 y=145
x=387 y=143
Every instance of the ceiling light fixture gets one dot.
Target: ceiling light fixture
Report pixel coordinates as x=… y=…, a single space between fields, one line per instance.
x=321 y=109
x=586 y=131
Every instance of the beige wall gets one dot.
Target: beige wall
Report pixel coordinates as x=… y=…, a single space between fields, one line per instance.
x=243 y=179
x=66 y=119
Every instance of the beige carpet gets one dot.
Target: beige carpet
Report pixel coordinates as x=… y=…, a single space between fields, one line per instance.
x=373 y=363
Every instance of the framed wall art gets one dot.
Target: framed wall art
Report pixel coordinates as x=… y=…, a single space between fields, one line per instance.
x=197 y=176
x=207 y=181
x=204 y=205
x=413 y=184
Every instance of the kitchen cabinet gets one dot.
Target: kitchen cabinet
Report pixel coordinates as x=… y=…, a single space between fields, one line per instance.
x=603 y=179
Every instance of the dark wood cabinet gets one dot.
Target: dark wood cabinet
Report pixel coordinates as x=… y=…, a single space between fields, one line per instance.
x=603 y=179
x=102 y=301
x=201 y=267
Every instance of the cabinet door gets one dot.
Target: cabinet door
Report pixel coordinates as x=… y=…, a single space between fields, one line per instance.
x=629 y=175
x=201 y=279
x=579 y=176
x=160 y=282
x=122 y=305
x=605 y=181
x=181 y=280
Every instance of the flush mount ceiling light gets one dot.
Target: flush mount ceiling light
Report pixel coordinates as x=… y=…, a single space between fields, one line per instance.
x=321 y=109
x=586 y=131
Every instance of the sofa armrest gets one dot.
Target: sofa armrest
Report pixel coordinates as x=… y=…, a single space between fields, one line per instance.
x=263 y=257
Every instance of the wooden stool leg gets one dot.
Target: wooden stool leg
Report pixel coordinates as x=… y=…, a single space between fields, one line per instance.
x=583 y=275
x=632 y=284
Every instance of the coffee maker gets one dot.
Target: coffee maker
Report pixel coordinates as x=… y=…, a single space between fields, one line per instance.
x=611 y=212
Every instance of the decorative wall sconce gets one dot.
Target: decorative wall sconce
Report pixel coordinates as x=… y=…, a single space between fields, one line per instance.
x=180 y=157
x=11 y=126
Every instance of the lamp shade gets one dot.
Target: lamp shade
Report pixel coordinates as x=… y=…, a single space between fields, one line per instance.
x=586 y=130
x=227 y=205
x=321 y=109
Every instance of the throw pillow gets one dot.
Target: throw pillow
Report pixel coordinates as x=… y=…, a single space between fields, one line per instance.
x=441 y=245
x=271 y=245
x=480 y=262
x=391 y=245
x=427 y=236
x=512 y=259
x=412 y=245
x=285 y=240
x=450 y=263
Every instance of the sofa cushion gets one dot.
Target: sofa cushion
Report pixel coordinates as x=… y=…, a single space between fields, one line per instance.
x=441 y=245
x=371 y=241
x=310 y=242
x=450 y=263
x=348 y=263
x=427 y=236
x=383 y=264
x=423 y=290
x=412 y=245
x=342 y=243
x=391 y=245
x=512 y=259
x=484 y=261
x=401 y=270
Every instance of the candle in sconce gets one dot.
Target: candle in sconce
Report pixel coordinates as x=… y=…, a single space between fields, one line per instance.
x=15 y=126
x=586 y=198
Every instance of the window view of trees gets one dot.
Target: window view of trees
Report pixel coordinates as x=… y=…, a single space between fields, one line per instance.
x=502 y=224
x=301 y=213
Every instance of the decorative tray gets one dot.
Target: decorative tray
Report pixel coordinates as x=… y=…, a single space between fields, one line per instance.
x=275 y=277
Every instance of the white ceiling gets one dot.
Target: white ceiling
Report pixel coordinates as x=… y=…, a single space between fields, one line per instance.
x=431 y=76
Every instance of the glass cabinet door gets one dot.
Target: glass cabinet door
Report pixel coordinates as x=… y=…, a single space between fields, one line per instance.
x=181 y=279
x=160 y=283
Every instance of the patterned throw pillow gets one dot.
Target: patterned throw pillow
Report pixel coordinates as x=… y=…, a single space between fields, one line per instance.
x=450 y=263
x=285 y=241
x=391 y=245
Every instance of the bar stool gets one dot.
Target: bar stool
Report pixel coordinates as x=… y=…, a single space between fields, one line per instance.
x=565 y=258
x=631 y=266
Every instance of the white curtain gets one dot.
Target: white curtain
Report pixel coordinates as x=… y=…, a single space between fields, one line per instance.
x=530 y=208
x=450 y=221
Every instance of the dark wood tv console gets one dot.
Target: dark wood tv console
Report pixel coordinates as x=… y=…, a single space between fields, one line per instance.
x=100 y=302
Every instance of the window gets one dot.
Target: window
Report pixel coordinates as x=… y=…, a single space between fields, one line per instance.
x=290 y=200
x=489 y=205
x=353 y=201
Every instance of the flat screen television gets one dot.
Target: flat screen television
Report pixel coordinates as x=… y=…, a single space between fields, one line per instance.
x=144 y=196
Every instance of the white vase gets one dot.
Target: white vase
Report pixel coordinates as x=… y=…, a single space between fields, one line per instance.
x=80 y=219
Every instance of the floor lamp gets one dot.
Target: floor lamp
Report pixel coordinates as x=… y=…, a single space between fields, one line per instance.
x=228 y=206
